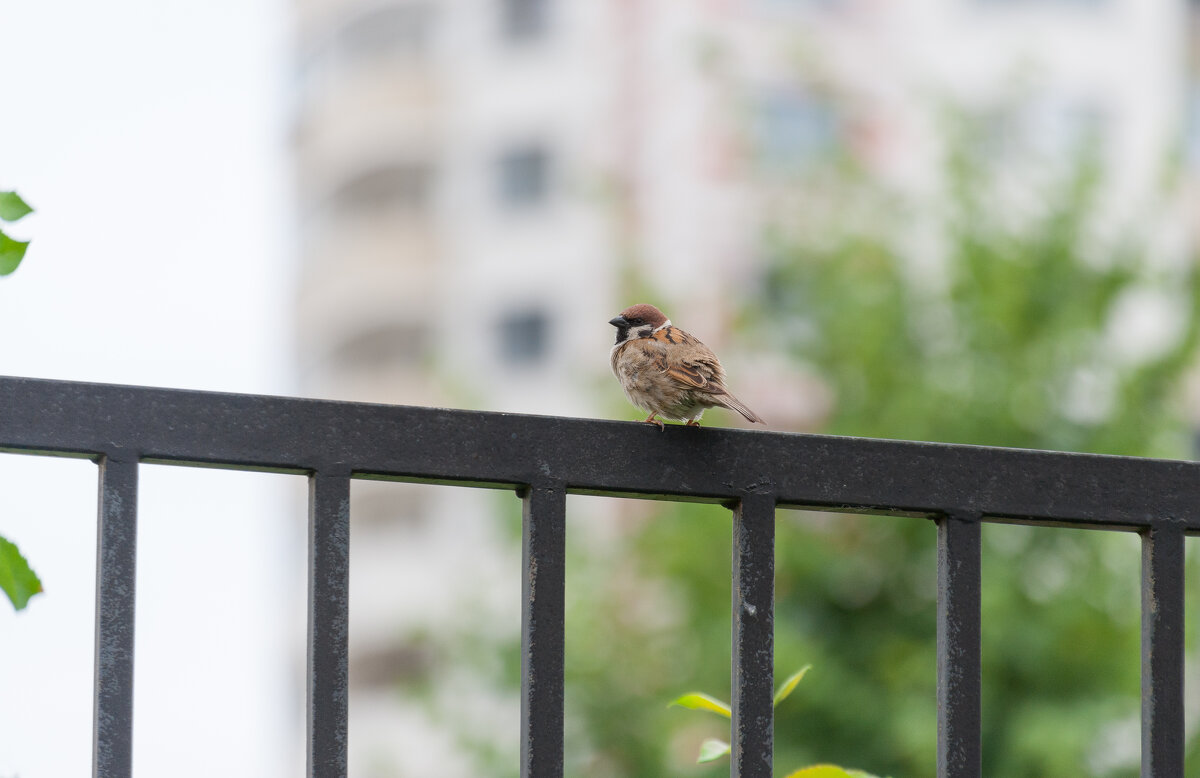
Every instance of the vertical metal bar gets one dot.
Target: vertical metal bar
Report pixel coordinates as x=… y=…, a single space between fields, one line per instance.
x=543 y=618
x=959 y=644
x=753 y=637
x=116 y=579
x=328 y=622
x=1162 y=652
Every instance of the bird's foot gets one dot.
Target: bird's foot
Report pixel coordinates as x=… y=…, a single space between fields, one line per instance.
x=651 y=420
x=693 y=423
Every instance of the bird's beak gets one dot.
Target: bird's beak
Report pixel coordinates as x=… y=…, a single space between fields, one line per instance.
x=619 y=321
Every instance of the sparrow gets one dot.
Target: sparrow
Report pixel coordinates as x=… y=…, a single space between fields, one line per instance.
x=666 y=371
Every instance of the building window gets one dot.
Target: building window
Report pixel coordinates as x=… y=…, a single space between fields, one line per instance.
x=1030 y=3
x=796 y=128
x=391 y=31
x=385 y=191
x=524 y=177
x=1045 y=126
x=1060 y=126
x=524 y=20
x=1192 y=127
x=385 y=346
x=394 y=34
x=818 y=5
x=524 y=337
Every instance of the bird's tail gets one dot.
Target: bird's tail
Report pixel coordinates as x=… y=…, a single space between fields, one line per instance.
x=734 y=404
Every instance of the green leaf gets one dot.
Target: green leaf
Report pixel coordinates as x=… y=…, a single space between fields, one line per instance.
x=12 y=207
x=828 y=771
x=820 y=771
x=789 y=685
x=700 y=701
x=17 y=580
x=11 y=253
x=711 y=750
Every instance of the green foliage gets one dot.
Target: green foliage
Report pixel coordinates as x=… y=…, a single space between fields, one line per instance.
x=965 y=321
x=701 y=701
x=712 y=749
x=1014 y=340
x=828 y=771
x=989 y=317
x=17 y=579
x=11 y=253
x=789 y=686
x=1016 y=337
x=12 y=208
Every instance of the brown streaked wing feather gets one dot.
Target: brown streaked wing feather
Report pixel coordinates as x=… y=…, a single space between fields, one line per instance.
x=689 y=361
x=694 y=365
x=689 y=375
x=675 y=336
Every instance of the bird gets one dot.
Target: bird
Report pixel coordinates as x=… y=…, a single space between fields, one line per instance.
x=668 y=372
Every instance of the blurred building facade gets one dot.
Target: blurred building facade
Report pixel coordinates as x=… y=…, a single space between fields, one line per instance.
x=437 y=146
x=480 y=182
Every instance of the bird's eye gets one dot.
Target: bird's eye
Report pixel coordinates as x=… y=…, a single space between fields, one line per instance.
x=635 y=321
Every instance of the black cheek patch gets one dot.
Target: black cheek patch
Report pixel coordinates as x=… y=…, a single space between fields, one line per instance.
x=645 y=333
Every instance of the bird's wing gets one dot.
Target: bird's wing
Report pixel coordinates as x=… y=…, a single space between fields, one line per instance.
x=684 y=358
x=689 y=361
x=693 y=375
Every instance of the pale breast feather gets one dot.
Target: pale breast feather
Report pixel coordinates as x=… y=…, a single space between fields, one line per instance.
x=634 y=356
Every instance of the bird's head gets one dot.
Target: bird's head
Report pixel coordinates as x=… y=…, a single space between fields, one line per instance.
x=638 y=321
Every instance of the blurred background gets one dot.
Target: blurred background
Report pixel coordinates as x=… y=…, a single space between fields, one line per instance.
x=970 y=221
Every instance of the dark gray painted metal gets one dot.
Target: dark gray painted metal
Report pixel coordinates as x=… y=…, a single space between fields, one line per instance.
x=753 y=725
x=959 y=644
x=717 y=465
x=1162 y=652
x=116 y=576
x=120 y=426
x=328 y=621
x=542 y=629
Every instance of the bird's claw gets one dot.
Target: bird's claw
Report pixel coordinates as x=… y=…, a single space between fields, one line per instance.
x=651 y=420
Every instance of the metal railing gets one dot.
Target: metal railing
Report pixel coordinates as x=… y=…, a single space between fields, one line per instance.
x=545 y=458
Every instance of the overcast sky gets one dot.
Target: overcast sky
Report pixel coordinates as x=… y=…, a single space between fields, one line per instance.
x=149 y=134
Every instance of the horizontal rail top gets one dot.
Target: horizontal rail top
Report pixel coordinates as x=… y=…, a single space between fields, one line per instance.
x=545 y=458
x=240 y=431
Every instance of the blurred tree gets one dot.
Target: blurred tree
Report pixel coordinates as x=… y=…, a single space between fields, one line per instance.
x=998 y=317
x=1047 y=329
x=1050 y=330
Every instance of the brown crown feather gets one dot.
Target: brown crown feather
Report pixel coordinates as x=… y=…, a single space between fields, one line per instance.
x=646 y=312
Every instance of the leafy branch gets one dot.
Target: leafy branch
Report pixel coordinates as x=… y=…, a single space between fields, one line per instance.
x=12 y=208
x=713 y=748
x=17 y=579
